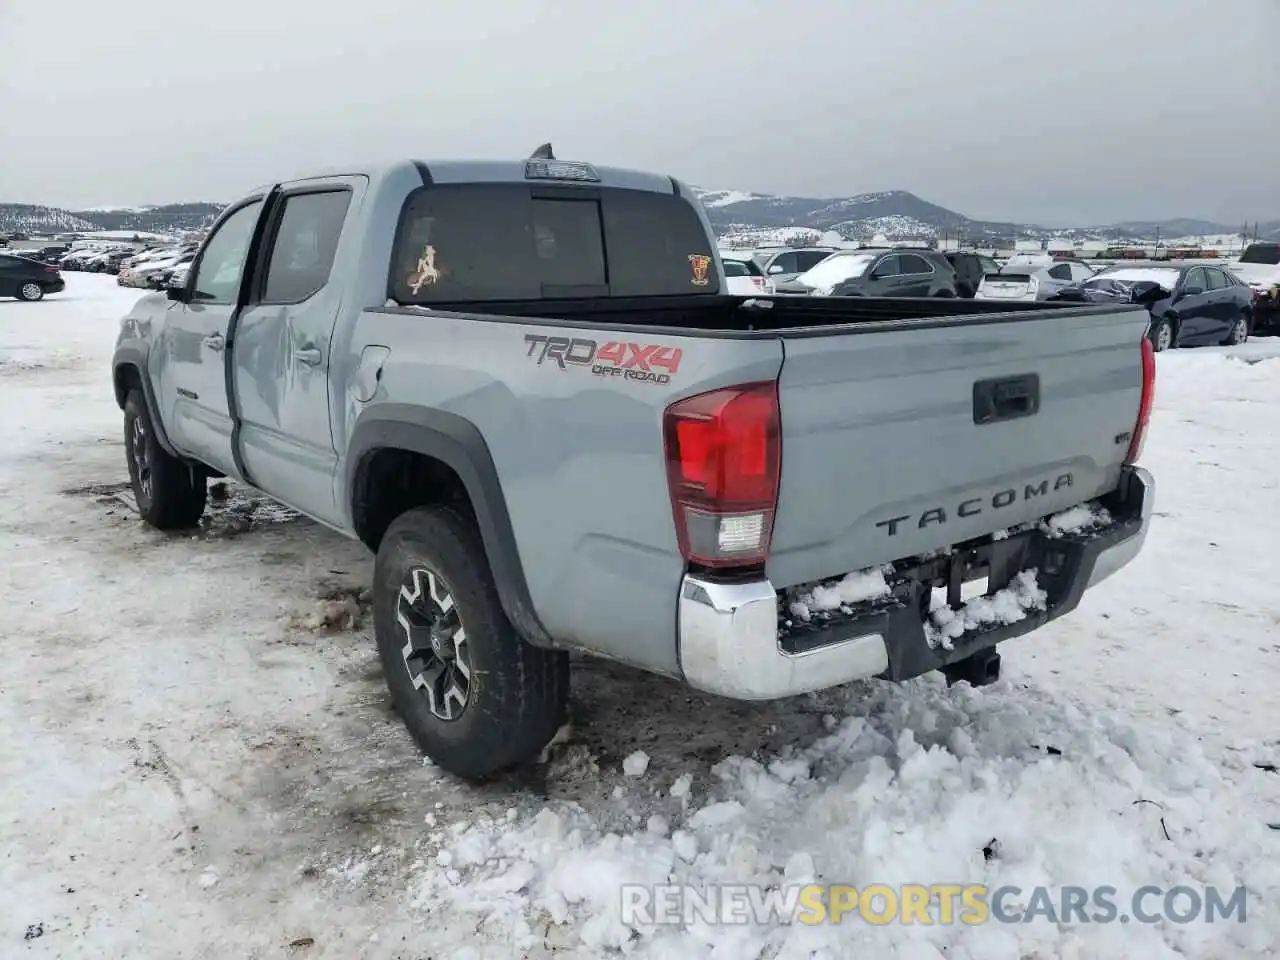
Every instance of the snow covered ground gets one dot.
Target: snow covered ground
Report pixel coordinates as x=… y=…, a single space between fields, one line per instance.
x=197 y=757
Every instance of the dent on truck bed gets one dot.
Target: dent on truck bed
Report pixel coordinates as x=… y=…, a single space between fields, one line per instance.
x=460 y=446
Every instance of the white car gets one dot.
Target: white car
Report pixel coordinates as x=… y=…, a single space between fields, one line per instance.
x=744 y=276
x=1032 y=278
x=138 y=271
x=178 y=275
x=1259 y=267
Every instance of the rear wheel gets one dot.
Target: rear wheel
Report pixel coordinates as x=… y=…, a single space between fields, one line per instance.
x=1162 y=335
x=475 y=697
x=31 y=291
x=1239 y=331
x=170 y=494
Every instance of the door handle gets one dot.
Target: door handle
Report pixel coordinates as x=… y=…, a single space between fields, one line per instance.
x=308 y=355
x=215 y=342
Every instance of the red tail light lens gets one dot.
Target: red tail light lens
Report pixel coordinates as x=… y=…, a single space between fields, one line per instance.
x=724 y=454
x=1144 y=406
x=50 y=269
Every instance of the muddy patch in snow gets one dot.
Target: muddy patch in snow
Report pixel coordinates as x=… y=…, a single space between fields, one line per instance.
x=104 y=493
x=234 y=510
x=339 y=607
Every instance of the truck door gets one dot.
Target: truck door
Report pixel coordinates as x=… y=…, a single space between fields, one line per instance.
x=192 y=372
x=283 y=349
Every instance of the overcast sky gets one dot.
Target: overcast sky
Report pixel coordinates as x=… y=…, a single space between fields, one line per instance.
x=1076 y=111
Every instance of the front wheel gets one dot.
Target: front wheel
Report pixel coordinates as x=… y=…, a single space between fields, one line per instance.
x=476 y=698
x=31 y=291
x=170 y=494
x=1239 y=331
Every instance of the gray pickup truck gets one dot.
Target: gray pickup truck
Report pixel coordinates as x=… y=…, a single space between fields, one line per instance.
x=522 y=386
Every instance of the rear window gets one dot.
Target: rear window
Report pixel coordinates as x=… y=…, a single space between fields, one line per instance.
x=478 y=242
x=1267 y=254
x=735 y=268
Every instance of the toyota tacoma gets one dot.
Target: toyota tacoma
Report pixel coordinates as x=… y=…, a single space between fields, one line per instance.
x=523 y=385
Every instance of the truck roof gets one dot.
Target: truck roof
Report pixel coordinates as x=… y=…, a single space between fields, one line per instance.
x=498 y=171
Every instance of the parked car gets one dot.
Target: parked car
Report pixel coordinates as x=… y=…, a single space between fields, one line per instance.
x=512 y=343
x=1189 y=305
x=876 y=273
x=783 y=265
x=970 y=268
x=744 y=277
x=149 y=270
x=1032 y=278
x=177 y=277
x=28 y=279
x=49 y=254
x=1259 y=268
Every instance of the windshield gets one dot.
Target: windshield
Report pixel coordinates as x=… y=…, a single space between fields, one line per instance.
x=1264 y=253
x=837 y=269
x=1166 y=277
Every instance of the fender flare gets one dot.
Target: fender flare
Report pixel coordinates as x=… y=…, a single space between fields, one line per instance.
x=134 y=355
x=457 y=443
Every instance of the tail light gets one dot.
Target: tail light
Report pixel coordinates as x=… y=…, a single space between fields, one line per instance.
x=1144 y=405
x=759 y=283
x=724 y=454
x=50 y=269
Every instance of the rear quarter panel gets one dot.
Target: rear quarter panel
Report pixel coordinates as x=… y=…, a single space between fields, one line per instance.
x=579 y=459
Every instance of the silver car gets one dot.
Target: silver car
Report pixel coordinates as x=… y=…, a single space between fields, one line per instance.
x=1032 y=278
x=787 y=264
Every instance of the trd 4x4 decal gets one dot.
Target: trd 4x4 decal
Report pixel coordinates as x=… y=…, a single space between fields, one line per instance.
x=616 y=358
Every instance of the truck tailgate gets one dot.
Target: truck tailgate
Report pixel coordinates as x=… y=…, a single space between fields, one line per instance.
x=903 y=438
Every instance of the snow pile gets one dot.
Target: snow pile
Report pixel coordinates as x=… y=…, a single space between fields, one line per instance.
x=1082 y=518
x=857 y=587
x=945 y=624
x=909 y=788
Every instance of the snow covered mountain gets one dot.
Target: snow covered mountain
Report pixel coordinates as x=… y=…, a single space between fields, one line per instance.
x=895 y=212
x=168 y=218
x=901 y=215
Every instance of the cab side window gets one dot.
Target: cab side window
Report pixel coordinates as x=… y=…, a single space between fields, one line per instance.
x=305 y=242
x=222 y=261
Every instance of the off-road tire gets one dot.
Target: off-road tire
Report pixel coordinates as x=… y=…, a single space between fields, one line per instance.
x=518 y=693
x=176 y=495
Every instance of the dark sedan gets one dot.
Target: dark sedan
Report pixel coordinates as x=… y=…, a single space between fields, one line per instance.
x=1190 y=305
x=27 y=279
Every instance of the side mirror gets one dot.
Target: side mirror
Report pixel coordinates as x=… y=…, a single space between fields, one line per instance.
x=776 y=268
x=1146 y=293
x=176 y=293
x=1192 y=291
